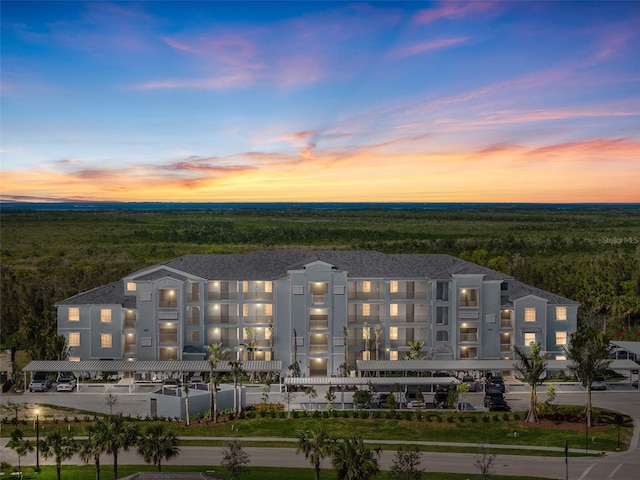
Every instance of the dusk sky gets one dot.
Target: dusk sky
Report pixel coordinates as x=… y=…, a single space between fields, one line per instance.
x=320 y=101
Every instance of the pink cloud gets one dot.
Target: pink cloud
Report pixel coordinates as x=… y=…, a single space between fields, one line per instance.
x=236 y=80
x=454 y=10
x=426 y=47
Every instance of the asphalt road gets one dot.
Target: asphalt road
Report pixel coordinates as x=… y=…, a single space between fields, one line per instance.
x=614 y=466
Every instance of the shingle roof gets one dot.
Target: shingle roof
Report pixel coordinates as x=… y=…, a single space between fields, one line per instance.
x=519 y=290
x=162 y=273
x=111 y=294
x=360 y=264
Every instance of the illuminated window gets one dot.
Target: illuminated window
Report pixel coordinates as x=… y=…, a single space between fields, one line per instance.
x=131 y=286
x=167 y=298
x=245 y=310
x=366 y=286
x=393 y=309
x=268 y=309
x=529 y=338
x=393 y=286
x=268 y=287
x=393 y=333
x=105 y=315
x=529 y=314
x=366 y=355
x=245 y=333
x=366 y=309
x=74 y=339
x=468 y=297
x=366 y=334
x=561 y=357
x=393 y=355
x=245 y=286
x=267 y=333
x=106 y=340
x=74 y=314
x=74 y=359
x=561 y=338
x=561 y=313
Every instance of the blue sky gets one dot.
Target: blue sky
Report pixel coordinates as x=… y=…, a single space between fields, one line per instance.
x=321 y=101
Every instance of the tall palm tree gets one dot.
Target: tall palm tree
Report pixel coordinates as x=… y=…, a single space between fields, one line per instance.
x=216 y=355
x=157 y=444
x=316 y=444
x=21 y=446
x=236 y=372
x=115 y=434
x=61 y=447
x=366 y=335
x=354 y=461
x=91 y=449
x=530 y=369
x=415 y=348
x=589 y=351
x=377 y=332
x=186 y=403
x=345 y=365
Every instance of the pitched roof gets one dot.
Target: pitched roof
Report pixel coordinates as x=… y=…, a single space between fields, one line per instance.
x=520 y=290
x=111 y=294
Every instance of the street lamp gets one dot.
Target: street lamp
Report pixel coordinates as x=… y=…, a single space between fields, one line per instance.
x=37 y=440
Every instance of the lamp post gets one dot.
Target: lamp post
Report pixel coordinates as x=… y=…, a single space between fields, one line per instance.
x=37 y=440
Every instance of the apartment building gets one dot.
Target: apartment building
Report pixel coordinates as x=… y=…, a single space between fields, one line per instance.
x=313 y=308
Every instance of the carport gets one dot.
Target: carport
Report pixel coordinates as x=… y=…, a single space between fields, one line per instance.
x=148 y=367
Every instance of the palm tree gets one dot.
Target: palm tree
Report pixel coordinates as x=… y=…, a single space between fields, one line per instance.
x=530 y=369
x=116 y=435
x=61 y=447
x=589 y=351
x=345 y=365
x=415 y=349
x=216 y=355
x=91 y=449
x=316 y=445
x=186 y=403
x=20 y=446
x=157 y=444
x=354 y=461
x=377 y=332
x=366 y=335
x=236 y=372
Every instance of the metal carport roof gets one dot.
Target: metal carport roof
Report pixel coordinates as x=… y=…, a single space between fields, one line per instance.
x=358 y=381
x=147 y=366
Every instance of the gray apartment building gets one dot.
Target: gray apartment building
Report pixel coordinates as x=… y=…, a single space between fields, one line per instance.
x=314 y=306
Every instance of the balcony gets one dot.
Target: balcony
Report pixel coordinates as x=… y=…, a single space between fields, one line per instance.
x=409 y=319
x=505 y=348
x=258 y=319
x=468 y=337
x=167 y=338
x=129 y=348
x=370 y=319
x=506 y=323
x=318 y=299
x=319 y=324
x=261 y=296
x=318 y=348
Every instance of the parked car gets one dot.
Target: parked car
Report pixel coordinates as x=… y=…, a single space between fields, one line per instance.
x=413 y=401
x=496 y=383
x=66 y=382
x=494 y=401
x=40 y=382
x=471 y=383
x=441 y=397
x=599 y=383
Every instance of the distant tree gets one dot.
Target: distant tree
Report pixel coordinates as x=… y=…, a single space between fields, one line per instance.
x=116 y=434
x=216 y=355
x=406 y=464
x=60 y=447
x=91 y=448
x=415 y=350
x=316 y=444
x=588 y=351
x=530 y=368
x=362 y=398
x=158 y=444
x=236 y=372
x=235 y=459
x=485 y=461
x=19 y=445
x=353 y=460
x=378 y=331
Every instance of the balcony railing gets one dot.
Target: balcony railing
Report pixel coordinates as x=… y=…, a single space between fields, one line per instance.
x=409 y=319
x=318 y=324
x=251 y=319
x=376 y=295
x=323 y=348
x=468 y=337
x=505 y=347
x=506 y=323
x=129 y=349
x=264 y=296
x=370 y=319
x=222 y=319
x=167 y=338
x=129 y=324
x=222 y=295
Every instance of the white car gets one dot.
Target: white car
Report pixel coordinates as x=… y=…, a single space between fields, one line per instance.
x=66 y=384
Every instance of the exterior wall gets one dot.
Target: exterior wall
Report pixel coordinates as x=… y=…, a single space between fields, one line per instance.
x=554 y=325
x=170 y=406
x=490 y=322
x=537 y=327
x=82 y=326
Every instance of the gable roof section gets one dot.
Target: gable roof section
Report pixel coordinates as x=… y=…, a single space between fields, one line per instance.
x=111 y=294
x=520 y=290
x=158 y=274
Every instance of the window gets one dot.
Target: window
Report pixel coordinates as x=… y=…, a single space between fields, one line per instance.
x=366 y=355
x=245 y=286
x=268 y=287
x=561 y=338
x=106 y=340
x=245 y=310
x=268 y=309
x=366 y=334
x=442 y=291
x=267 y=333
x=561 y=357
x=74 y=359
x=561 y=313
x=74 y=314
x=193 y=316
x=105 y=315
x=393 y=309
x=393 y=355
x=366 y=310
x=366 y=286
x=131 y=286
x=442 y=336
x=469 y=297
x=529 y=314
x=74 y=339
x=393 y=286
x=393 y=333
x=442 y=315
x=529 y=338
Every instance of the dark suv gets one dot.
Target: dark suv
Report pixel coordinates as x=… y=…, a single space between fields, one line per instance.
x=495 y=383
x=441 y=397
x=494 y=401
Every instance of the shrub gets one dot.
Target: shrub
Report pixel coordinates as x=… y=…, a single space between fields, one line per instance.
x=496 y=418
x=451 y=418
x=485 y=418
x=474 y=419
x=516 y=416
x=505 y=416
